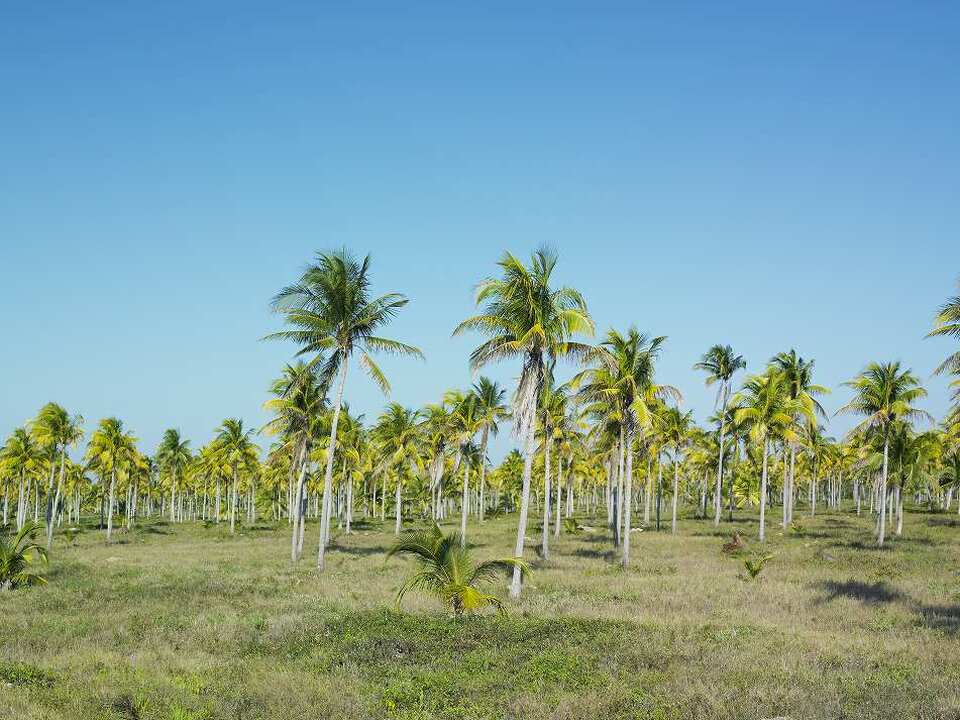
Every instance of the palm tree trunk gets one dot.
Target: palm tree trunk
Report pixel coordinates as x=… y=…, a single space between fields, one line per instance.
x=483 y=467
x=296 y=504
x=717 y=500
x=882 y=521
x=328 y=475
x=56 y=499
x=628 y=500
x=233 y=501
x=763 y=490
x=113 y=484
x=556 y=512
x=676 y=487
x=49 y=510
x=544 y=542
x=524 y=497
x=399 y=504
x=464 y=503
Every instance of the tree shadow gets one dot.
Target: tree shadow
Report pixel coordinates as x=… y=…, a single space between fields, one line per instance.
x=939 y=617
x=596 y=554
x=868 y=593
x=360 y=551
x=942 y=522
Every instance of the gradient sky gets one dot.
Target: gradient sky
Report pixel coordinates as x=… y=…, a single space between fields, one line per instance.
x=769 y=175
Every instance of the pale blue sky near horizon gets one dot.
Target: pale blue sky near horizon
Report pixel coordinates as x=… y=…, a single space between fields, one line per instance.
x=765 y=175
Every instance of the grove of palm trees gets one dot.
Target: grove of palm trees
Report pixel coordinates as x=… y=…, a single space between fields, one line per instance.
x=626 y=556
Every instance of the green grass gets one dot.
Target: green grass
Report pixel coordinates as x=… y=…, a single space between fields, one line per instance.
x=177 y=622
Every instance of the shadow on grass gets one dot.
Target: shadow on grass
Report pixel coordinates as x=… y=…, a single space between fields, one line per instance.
x=363 y=551
x=869 y=593
x=596 y=554
x=943 y=522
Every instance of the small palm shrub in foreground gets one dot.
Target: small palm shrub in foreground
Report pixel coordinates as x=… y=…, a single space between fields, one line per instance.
x=17 y=553
x=448 y=573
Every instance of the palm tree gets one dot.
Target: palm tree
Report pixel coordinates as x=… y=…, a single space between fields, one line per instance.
x=333 y=317
x=448 y=573
x=490 y=410
x=525 y=317
x=463 y=427
x=884 y=394
x=173 y=456
x=675 y=428
x=764 y=405
x=110 y=450
x=799 y=376
x=437 y=431
x=397 y=433
x=56 y=430
x=947 y=323
x=21 y=457
x=16 y=556
x=624 y=381
x=234 y=442
x=298 y=406
x=721 y=364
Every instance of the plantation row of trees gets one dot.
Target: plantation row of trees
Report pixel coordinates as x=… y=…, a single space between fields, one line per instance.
x=611 y=442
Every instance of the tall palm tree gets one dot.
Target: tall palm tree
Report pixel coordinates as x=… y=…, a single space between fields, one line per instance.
x=720 y=363
x=110 y=451
x=490 y=410
x=239 y=453
x=173 y=456
x=625 y=380
x=397 y=433
x=675 y=428
x=527 y=318
x=765 y=406
x=21 y=457
x=464 y=425
x=334 y=316
x=884 y=393
x=437 y=431
x=799 y=376
x=57 y=430
x=298 y=406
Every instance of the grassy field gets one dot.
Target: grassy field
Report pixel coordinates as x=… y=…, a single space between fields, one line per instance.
x=179 y=622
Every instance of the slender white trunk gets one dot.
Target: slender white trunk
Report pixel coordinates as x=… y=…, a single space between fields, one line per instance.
x=676 y=489
x=717 y=498
x=464 y=503
x=556 y=512
x=628 y=501
x=545 y=540
x=328 y=475
x=113 y=485
x=524 y=503
x=399 y=504
x=763 y=490
x=881 y=526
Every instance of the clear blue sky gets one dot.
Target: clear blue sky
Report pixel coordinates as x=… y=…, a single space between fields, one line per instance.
x=764 y=174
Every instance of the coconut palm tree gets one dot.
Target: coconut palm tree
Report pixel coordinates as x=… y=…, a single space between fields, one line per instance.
x=21 y=457
x=174 y=457
x=397 y=434
x=298 y=407
x=946 y=323
x=464 y=425
x=525 y=317
x=799 y=376
x=448 y=573
x=109 y=452
x=720 y=363
x=239 y=454
x=884 y=393
x=17 y=552
x=490 y=410
x=766 y=407
x=333 y=316
x=675 y=428
x=57 y=431
x=624 y=380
